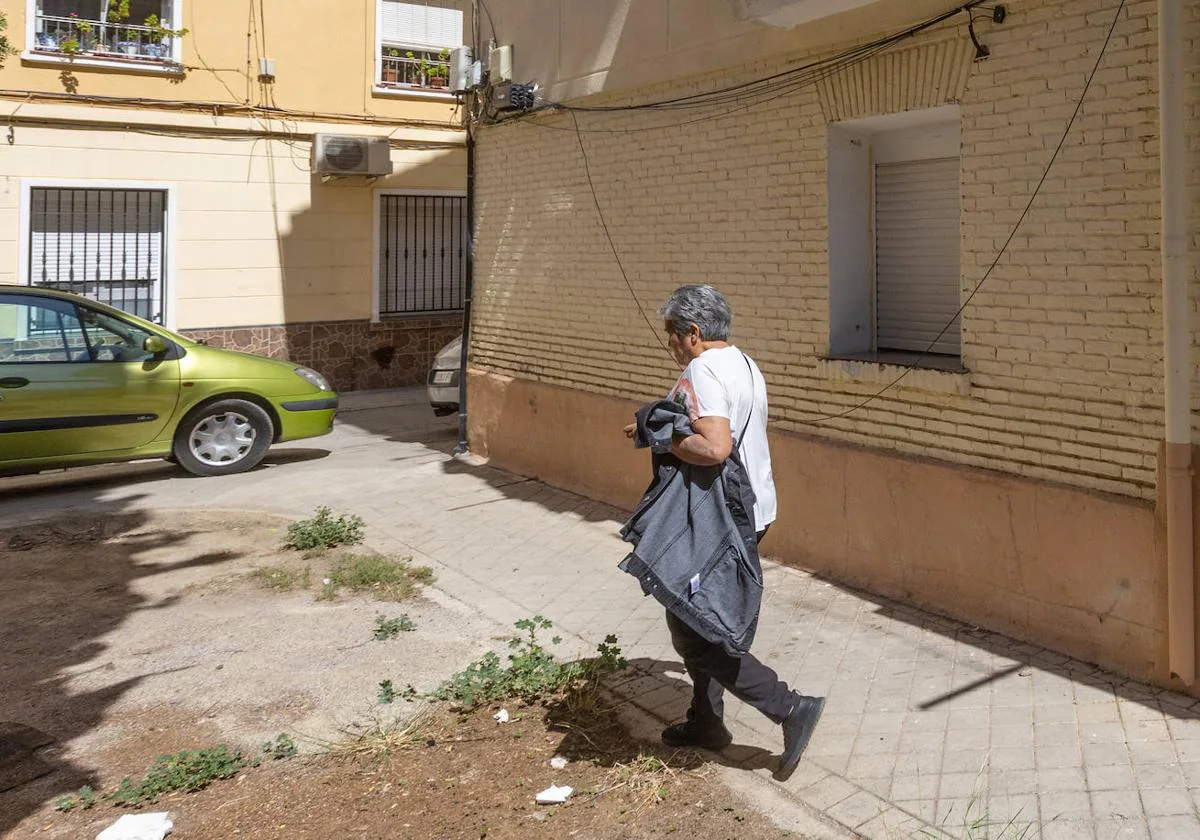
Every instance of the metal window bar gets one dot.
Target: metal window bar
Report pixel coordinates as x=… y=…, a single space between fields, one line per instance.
x=106 y=244
x=71 y=35
x=409 y=67
x=422 y=254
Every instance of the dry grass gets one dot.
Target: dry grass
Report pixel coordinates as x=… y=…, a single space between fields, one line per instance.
x=380 y=740
x=647 y=779
x=282 y=578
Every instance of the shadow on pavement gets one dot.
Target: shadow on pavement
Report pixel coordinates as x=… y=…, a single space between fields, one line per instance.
x=65 y=584
x=1024 y=657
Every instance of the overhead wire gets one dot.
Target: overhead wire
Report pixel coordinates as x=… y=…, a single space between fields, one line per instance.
x=834 y=68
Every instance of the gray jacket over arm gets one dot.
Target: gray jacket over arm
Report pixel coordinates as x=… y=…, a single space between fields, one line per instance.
x=693 y=534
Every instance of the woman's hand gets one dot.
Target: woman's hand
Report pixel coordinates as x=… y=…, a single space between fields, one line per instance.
x=630 y=430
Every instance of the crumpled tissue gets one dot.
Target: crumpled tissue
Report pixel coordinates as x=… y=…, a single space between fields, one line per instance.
x=154 y=826
x=554 y=795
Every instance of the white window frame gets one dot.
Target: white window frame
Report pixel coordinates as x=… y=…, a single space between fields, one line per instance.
x=855 y=146
x=169 y=227
x=172 y=66
x=377 y=220
x=377 y=86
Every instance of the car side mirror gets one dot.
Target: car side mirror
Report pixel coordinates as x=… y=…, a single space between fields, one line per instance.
x=156 y=345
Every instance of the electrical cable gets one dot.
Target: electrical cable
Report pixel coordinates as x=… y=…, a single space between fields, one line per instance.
x=491 y=23
x=1003 y=248
x=987 y=274
x=782 y=78
x=587 y=169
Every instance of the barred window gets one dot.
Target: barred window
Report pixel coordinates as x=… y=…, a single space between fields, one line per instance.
x=422 y=253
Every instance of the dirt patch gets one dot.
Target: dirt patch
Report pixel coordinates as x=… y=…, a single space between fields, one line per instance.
x=464 y=777
x=131 y=636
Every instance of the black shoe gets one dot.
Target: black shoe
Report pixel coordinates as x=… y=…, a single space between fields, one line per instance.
x=693 y=734
x=797 y=730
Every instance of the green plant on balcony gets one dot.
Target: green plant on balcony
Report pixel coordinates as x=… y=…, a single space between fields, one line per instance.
x=439 y=70
x=391 y=71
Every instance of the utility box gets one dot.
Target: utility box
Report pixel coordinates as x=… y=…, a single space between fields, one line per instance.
x=461 y=62
x=500 y=64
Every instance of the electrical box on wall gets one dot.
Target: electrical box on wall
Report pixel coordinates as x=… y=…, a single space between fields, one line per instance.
x=500 y=64
x=462 y=63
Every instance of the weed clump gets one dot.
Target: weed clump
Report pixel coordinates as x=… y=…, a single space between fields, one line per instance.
x=390 y=580
x=324 y=530
x=532 y=672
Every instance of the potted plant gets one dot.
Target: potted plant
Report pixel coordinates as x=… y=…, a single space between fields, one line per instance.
x=439 y=70
x=391 y=71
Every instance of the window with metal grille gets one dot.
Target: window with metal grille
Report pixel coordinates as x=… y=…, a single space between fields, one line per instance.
x=107 y=244
x=422 y=253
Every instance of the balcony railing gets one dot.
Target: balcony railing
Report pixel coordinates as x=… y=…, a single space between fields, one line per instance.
x=102 y=39
x=402 y=68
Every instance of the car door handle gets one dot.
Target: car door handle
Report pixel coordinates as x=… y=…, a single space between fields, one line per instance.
x=13 y=382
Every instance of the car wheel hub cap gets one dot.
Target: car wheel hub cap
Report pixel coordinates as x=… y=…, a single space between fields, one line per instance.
x=222 y=438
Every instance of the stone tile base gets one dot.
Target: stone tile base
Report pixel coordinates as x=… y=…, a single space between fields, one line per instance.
x=353 y=355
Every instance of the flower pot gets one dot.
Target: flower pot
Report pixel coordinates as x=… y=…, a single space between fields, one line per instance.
x=128 y=48
x=437 y=82
x=390 y=77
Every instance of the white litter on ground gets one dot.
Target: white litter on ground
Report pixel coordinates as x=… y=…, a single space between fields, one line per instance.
x=554 y=795
x=558 y=762
x=154 y=826
x=501 y=716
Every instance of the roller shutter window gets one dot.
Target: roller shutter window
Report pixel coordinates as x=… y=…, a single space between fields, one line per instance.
x=917 y=240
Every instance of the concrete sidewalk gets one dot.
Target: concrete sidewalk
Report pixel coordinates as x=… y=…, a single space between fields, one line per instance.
x=931 y=726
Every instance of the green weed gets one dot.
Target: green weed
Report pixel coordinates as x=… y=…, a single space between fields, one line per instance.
x=532 y=671
x=324 y=530
x=282 y=747
x=84 y=798
x=390 y=628
x=188 y=770
x=390 y=580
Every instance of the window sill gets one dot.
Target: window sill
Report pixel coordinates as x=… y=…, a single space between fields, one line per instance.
x=936 y=374
x=385 y=318
x=147 y=66
x=438 y=95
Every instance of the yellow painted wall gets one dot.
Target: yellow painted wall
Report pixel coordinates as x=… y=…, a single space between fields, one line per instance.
x=257 y=238
x=323 y=51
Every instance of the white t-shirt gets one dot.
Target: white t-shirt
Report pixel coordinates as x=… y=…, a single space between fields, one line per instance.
x=717 y=383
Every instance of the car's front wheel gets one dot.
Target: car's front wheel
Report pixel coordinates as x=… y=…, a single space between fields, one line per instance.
x=224 y=437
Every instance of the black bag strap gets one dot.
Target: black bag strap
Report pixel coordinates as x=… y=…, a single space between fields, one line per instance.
x=749 y=416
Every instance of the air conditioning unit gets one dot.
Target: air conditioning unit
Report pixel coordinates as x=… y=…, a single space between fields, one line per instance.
x=349 y=154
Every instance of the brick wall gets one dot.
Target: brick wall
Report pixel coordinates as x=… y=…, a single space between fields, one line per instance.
x=352 y=355
x=1063 y=342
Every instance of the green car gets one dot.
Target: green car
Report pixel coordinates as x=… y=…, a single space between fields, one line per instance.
x=83 y=383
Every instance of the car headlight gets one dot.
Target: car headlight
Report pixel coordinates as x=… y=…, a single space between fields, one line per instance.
x=312 y=378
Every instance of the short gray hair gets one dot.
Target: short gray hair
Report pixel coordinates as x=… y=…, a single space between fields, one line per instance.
x=700 y=305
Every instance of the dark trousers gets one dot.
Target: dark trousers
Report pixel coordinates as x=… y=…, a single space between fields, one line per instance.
x=713 y=671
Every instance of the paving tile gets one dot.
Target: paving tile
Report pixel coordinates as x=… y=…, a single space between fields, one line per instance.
x=1112 y=777
x=1121 y=830
x=1174 y=828
x=826 y=793
x=857 y=809
x=1062 y=780
x=1065 y=806
x=1169 y=802
x=1063 y=829
x=1117 y=805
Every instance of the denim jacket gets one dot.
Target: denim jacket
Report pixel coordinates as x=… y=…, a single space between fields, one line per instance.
x=693 y=536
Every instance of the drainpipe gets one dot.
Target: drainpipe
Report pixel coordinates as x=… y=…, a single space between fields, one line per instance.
x=464 y=447
x=1181 y=586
